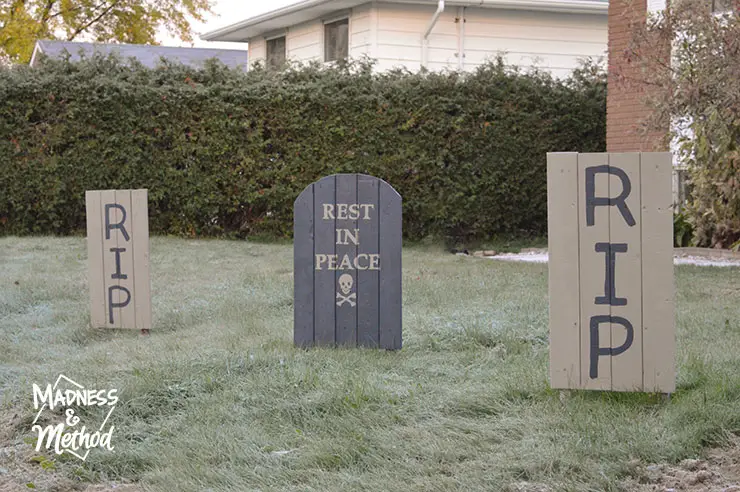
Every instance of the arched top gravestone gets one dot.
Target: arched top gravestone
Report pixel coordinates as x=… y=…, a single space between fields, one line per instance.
x=347 y=263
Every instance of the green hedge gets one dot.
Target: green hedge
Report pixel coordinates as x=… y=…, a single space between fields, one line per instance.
x=225 y=153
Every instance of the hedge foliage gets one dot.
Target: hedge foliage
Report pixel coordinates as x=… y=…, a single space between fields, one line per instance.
x=225 y=153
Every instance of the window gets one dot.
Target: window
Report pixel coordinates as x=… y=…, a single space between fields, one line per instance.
x=276 y=52
x=336 y=40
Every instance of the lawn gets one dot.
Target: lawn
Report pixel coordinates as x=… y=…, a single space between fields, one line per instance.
x=217 y=398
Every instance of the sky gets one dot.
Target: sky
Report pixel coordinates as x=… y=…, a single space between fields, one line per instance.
x=226 y=12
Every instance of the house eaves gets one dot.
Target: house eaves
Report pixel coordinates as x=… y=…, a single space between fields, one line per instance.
x=313 y=9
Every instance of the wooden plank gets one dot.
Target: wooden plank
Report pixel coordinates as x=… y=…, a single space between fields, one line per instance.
x=390 y=267
x=562 y=223
x=659 y=344
x=368 y=281
x=347 y=240
x=126 y=260
x=140 y=254
x=303 y=268
x=324 y=279
x=110 y=214
x=624 y=233
x=95 y=278
x=591 y=264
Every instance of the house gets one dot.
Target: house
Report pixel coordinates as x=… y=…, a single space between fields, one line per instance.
x=627 y=105
x=437 y=34
x=148 y=55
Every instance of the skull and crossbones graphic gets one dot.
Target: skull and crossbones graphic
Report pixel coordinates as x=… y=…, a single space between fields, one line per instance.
x=345 y=285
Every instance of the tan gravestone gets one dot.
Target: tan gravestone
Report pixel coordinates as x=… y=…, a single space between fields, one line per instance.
x=610 y=230
x=118 y=259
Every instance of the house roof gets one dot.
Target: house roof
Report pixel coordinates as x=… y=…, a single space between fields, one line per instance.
x=148 y=55
x=307 y=10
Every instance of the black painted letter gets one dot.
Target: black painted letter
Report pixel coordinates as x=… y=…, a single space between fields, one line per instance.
x=597 y=350
x=109 y=227
x=118 y=273
x=112 y=305
x=593 y=201
x=610 y=283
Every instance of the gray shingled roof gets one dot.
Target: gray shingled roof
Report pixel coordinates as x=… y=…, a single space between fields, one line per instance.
x=148 y=55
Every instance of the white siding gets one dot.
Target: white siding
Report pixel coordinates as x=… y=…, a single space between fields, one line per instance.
x=303 y=42
x=361 y=30
x=257 y=49
x=392 y=34
x=654 y=6
x=548 y=40
x=400 y=31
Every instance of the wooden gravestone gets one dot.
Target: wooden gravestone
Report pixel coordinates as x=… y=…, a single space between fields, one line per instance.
x=610 y=234
x=118 y=259
x=347 y=263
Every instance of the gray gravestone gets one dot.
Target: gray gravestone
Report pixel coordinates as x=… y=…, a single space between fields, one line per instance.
x=347 y=263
